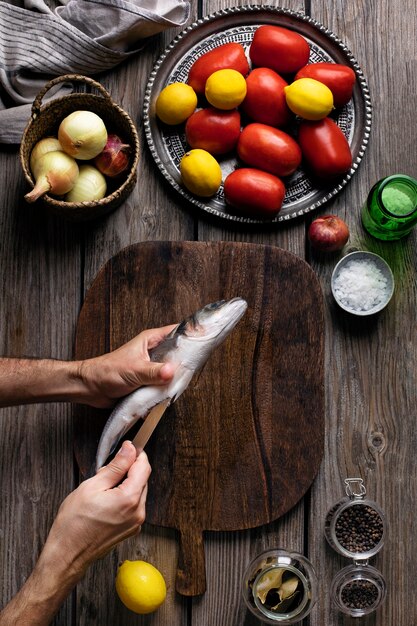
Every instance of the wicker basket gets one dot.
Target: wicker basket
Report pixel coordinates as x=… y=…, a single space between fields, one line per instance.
x=45 y=121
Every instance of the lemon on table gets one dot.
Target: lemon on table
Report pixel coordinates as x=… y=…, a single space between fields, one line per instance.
x=309 y=98
x=225 y=89
x=176 y=103
x=200 y=172
x=140 y=586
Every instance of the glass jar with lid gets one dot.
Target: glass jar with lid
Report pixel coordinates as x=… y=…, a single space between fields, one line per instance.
x=355 y=526
x=280 y=586
x=358 y=589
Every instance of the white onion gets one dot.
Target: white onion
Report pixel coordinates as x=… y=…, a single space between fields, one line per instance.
x=54 y=172
x=48 y=144
x=82 y=134
x=90 y=185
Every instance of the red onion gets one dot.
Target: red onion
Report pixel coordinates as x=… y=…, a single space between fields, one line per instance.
x=115 y=157
x=328 y=233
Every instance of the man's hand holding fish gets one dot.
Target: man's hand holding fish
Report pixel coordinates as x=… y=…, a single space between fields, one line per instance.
x=98 y=382
x=106 y=378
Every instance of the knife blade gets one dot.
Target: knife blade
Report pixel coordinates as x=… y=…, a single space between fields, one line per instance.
x=149 y=425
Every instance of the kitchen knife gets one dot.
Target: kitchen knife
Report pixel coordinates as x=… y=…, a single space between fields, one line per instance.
x=149 y=425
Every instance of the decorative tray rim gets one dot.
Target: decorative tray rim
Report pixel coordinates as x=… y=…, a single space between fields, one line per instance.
x=260 y=9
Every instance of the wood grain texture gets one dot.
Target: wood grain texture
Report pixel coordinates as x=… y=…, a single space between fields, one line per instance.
x=39 y=302
x=244 y=443
x=215 y=608
x=371 y=380
x=370 y=365
x=151 y=213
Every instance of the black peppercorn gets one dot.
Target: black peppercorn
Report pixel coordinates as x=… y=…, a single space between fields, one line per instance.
x=359 y=528
x=359 y=594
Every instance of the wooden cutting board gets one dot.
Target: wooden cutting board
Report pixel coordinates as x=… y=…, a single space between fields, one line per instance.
x=244 y=442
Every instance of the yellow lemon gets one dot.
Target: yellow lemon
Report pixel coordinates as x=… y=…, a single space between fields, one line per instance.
x=225 y=89
x=140 y=586
x=309 y=98
x=200 y=172
x=176 y=103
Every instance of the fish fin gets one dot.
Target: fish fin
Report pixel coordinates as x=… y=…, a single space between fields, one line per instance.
x=184 y=380
x=198 y=373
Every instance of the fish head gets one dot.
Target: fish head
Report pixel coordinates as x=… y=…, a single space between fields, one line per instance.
x=214 y=321
x=203 y=331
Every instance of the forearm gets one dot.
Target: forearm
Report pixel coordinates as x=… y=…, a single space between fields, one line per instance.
x=97 y=381
x=42 y=594
x=101 y=512
x=25 y=381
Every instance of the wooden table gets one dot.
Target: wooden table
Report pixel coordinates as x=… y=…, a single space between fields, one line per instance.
x=371 y=381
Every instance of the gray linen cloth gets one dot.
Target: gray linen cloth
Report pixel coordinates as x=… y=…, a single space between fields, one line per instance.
x=81 y=36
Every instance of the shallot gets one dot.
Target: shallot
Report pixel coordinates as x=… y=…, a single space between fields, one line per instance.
x=328 y=233
x=115 y=157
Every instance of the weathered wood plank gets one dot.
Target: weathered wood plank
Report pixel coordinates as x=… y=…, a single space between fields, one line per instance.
x=39 y=300
x=227 y=556
x=371 y=398
x=371 y=381
x=151 y=213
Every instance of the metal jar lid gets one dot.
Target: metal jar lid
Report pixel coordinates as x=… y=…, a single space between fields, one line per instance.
x=355 y=526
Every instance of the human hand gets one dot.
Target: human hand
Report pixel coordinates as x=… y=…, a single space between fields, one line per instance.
x=102 y=511
x=118 y=373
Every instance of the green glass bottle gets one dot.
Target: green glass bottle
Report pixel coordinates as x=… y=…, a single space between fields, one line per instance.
x=390 y=211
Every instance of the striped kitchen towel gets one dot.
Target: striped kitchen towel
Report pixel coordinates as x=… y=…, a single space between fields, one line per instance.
x=81 y=36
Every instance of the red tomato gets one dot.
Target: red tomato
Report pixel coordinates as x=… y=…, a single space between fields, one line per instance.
x=325 y=149
x=254 y=192
x=269 y=149
x=338 y=78
x=228 y=56
x=280 y=49
x=213 y=130
x=265 y=100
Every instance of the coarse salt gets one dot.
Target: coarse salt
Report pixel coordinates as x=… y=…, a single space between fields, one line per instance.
x=360 y=285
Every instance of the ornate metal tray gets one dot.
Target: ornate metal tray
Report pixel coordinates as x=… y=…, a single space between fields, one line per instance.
x=238 y=24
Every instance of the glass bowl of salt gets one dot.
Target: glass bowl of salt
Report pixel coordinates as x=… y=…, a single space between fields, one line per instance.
x=362 y=283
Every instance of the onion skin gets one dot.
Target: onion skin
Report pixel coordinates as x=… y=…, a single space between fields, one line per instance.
x=89 y=186
x=55 y=172
x=45 y=145
x=115 y=157
x=82 y=135
x=328 y=233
